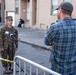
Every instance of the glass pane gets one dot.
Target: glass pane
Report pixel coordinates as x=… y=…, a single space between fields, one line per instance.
x=16 y=3
x=53 y=10
x=54 y=2
x=54 y=6
x=16 y=10
x=68 y=1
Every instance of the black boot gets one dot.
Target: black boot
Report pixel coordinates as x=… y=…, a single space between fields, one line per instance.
x=10 y=67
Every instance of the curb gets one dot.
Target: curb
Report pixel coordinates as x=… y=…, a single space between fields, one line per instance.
x=34 y=45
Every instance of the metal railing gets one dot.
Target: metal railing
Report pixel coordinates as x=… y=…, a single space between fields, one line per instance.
x=31 y=63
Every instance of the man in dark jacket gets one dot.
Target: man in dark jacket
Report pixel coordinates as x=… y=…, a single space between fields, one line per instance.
x=9 y=42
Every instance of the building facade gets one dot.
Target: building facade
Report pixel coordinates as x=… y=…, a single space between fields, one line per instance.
x=36 y=13
x=0 y=10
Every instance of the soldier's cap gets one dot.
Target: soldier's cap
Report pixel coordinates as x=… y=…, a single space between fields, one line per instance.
x=66 y=6
x=9 y=18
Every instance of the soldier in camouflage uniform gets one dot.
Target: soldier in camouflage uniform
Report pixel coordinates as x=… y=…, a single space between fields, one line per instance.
x=9 y=42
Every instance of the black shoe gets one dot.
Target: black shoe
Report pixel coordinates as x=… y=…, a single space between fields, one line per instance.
x=11 y=66
x=11 y=69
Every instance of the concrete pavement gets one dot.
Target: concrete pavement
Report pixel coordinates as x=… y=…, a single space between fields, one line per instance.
x=33 y=36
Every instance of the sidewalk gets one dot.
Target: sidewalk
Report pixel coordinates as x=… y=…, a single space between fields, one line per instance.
x=33 y=36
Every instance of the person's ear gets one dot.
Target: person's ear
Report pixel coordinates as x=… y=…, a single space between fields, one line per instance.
x=60 y=10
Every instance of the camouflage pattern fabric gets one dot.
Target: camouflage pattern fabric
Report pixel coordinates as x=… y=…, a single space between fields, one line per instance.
x=8 y=42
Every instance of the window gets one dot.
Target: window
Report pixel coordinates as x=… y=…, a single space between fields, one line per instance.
x=16 y=10
x=68 y=1
x=16 y=6
x=54 y=6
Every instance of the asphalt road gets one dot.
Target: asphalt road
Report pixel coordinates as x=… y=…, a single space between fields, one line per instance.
x=32 y=53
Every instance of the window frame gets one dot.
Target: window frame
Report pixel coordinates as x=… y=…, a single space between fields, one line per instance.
x=68 y=1
x=16 y=6
x=52 y=6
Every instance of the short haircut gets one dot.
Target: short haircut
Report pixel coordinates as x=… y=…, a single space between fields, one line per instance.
x=9 y=18
x=66 y=12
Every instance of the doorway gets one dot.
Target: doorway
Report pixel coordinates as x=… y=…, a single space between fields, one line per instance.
x=13 y=16
x=28 y=10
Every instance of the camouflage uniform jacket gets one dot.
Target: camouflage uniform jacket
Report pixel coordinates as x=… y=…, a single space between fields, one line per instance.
x=7 y=36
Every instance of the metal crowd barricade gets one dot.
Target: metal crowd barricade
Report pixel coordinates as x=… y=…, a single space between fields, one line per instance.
x=31 y=63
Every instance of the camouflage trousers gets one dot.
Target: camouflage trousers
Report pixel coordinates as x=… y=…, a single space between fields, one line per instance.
x=8 y=53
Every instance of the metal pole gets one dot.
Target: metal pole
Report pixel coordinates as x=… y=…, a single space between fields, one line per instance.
x=14 y=71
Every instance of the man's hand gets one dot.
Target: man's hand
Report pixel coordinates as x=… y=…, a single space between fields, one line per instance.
x=50 y=43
